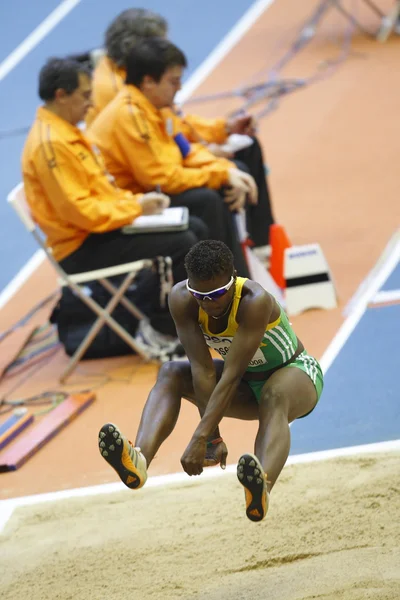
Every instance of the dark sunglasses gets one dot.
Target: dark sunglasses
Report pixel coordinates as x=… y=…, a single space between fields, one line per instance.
x=214 y=294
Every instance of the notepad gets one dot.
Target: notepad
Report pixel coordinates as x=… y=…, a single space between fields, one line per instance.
x=171 y=219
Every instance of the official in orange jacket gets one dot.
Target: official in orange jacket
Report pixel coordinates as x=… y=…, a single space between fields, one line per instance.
x=139 y=144
x=124 y=32
x=109 y=79
x=72 y=196
x=145 y=150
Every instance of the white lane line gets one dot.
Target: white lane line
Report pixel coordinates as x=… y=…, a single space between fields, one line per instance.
x=21 y=277
x=363 y=289
x=37 y=35
x=370 y=287
x=7 y=506
x=385 y=296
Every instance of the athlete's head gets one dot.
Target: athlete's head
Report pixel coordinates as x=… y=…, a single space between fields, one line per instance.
x=211 y=276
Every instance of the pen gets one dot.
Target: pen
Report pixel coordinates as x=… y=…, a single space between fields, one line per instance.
x=158 y=191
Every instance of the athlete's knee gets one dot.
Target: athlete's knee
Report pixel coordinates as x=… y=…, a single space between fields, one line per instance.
x=274 y=399
x=173 y=372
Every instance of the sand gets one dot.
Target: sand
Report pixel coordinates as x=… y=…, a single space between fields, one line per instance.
x=332 y=533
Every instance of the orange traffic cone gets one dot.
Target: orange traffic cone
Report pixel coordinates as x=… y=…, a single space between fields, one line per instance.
x=279 y=241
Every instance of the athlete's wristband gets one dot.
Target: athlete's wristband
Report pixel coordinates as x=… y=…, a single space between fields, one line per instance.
x=214 y=442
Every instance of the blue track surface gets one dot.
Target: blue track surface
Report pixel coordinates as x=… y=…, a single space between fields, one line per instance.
x=360 y=402
x=197 y=27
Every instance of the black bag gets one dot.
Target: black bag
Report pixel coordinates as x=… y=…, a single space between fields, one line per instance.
x=74 y=318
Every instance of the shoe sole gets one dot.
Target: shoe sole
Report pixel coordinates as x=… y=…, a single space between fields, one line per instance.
x=113 y=448
x=251 y=475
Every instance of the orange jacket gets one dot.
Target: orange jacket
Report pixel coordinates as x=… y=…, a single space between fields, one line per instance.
x=67 y=186
x=137 y=142
x=199 y=129
x=108 y=80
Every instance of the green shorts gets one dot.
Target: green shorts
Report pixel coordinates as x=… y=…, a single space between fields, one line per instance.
x=306 y=363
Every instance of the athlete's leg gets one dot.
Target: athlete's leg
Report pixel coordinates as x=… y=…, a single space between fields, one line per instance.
x=158 y=420
x=162 y=408
x=287 y=395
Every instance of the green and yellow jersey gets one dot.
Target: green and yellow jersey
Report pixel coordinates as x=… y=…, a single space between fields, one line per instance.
x=278 y=345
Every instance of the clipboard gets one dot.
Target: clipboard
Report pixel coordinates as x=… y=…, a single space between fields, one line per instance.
x=171 y=219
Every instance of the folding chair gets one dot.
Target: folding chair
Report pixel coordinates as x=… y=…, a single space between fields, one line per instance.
x=17 y=200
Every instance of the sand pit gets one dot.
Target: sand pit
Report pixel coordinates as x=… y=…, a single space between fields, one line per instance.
x=332 y=533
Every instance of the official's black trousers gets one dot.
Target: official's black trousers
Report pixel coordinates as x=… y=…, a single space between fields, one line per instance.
x=210 y=207
x=259 y=217
x=101 y=250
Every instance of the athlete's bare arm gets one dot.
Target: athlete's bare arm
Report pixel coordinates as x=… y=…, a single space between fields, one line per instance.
x=184 y=311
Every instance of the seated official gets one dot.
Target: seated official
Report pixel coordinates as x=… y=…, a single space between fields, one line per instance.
x=133 y=26
x=74 y=199
x=130 y=27
x=146 y=151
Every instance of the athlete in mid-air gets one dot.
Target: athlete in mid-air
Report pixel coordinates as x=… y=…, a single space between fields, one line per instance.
x=266 y=374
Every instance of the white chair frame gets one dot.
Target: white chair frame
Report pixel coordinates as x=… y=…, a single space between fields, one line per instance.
x=16 y=198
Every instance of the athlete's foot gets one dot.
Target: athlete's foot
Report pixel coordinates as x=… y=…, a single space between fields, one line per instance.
x=252 y=477
x=128 y=462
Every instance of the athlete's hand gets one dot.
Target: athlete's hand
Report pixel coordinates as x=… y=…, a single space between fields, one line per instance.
x=193 y=458
x=154 y=203
x=216 y=454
